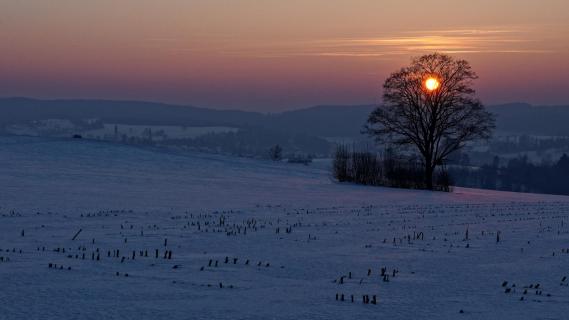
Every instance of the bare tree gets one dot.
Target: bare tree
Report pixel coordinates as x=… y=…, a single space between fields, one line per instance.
x=431 y=105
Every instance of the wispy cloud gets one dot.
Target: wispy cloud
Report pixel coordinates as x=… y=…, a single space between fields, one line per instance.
x=467 y=40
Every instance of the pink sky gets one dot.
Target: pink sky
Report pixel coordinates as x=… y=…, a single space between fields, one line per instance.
x=271 y=55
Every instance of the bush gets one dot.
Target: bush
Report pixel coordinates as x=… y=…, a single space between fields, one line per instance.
x=340 y=164
x=364 y=167
x=276 y=153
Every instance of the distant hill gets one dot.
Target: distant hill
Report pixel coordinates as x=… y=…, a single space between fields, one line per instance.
x=17 y=110
x=523 y=118
x=318 y=121
x=322 y=121
x=326 y=121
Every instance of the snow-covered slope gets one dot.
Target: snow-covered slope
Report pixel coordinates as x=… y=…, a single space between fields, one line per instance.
x=47 y=174
x=261 y=240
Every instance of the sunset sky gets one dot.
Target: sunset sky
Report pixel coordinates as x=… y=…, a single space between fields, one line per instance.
x=273 y=55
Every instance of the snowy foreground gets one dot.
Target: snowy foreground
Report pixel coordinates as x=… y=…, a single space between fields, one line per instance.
x=246 y=239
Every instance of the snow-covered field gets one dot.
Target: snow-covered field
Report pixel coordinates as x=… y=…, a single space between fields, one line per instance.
x=246 y=239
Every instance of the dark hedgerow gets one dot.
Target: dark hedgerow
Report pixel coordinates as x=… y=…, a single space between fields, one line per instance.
x=367 y=168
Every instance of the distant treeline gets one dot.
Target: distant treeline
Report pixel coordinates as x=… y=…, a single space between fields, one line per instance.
x=255 y=142
x=387 y=169
x=518 y=175
x=392 y=170
x=525 y=143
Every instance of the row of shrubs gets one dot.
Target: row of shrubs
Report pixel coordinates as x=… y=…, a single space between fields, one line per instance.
x=388 y=169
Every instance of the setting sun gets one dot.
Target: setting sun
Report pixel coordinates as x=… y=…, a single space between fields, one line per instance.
x=432 y=84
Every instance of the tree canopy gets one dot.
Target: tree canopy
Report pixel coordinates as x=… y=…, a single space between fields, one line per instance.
x=431 y=105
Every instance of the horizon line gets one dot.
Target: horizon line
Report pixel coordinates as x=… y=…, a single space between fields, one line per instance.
x=224 y=108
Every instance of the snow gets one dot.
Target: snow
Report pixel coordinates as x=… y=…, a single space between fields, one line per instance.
x=42 y=127
x=133 y=199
